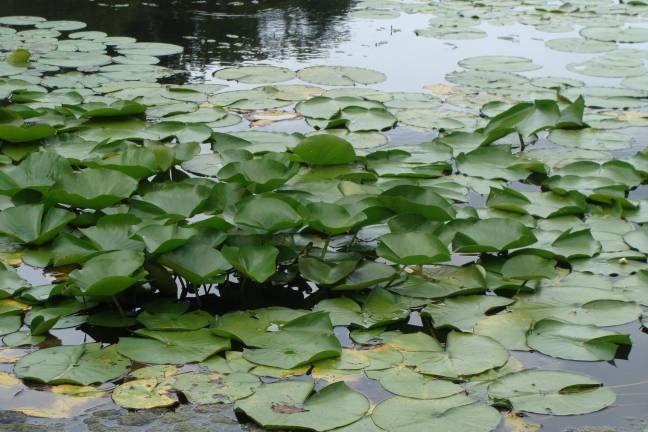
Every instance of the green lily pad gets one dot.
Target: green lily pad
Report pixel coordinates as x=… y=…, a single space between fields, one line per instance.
x=359 y=119
x=21 y=134
x=259 y=175
x=413 y=248
x=75 y=59
x=255 y=74
x=298 y=342
x=9 y=324
x=409 y=199
x=528 y=267
x=551 y=392
x=198 y=263
x=109 y=273
x=256 y=262
x=340 y=75
x=575 y=342
x=580 y=45
x=325 y=150
x=463 y=313
x=245 y=326
x=365 y=275
x=443 y=283
x=115 y=109
x=456 y=413
x=608 y=67
x=291 y=404
x=492 y=235
x=22 y=338
x=379 y=308
x=210 y=388
x=499 y=64
x=638 y=239
x=21 y=20
x=39 y=171
x=173 y=316
x=33 y=223
x=405 y=382
x=325 y=272
x=496 y=162
x=616 y=34
x=160 y=239
x=156 y=49
x=183 y=199
x=81 y=364
x=578 y=305
x=92 y=188
x=465 y=354
x=332 y=219
x=62 y=25
x=267 y=214
x=171 y=347
x=144 y=394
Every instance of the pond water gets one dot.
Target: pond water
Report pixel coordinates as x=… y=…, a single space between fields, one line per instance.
x=299 y=34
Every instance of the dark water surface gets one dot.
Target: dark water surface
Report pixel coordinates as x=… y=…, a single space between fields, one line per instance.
x=296 y=33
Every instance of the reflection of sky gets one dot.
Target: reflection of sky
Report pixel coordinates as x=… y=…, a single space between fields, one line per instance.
x=410 y=62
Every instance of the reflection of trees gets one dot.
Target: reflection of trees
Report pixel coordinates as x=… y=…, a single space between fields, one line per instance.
x=271 y=28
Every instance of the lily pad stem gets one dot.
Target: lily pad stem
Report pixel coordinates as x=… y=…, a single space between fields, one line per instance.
x=353 y=239
x=325 y=247
x=118 y=306
x=394 y=277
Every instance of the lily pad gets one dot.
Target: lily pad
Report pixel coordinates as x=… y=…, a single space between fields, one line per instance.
x=171 y=347
x=405 y=382
x=463 y=313
x=299 y=342
x=256 y=262
x=379 y=308
x=499 y=64
x=291 y=404
x=340 y=75
x=616 y=34
x=575 y=342
x=215 y=388
x=551 y=392
x=492 y=235
x=33 y=223
x=456 y=413
x=93 y=188
x=465 y=354
x=81 y=364
x=144 y=394
x=109 y=273
x=255 y=74
x=325 y=150
x=173 y=316
x=413 y=248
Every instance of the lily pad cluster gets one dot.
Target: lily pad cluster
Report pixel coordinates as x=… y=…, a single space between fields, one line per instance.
x=148 y=219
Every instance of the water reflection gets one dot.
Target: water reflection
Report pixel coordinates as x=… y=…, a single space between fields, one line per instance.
x=211 y=31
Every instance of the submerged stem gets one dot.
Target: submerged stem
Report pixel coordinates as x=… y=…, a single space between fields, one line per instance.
x=196 y=290
x=119 y=308
x=325 y=247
